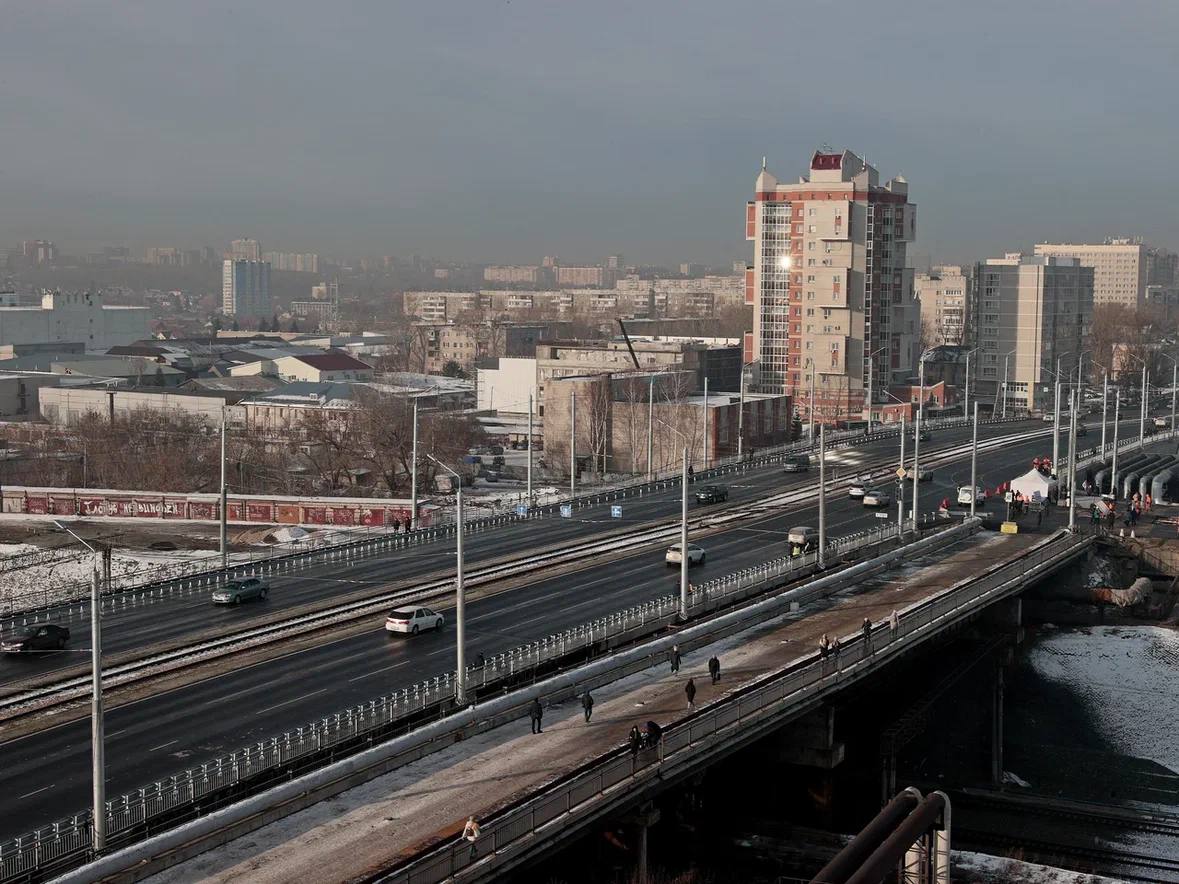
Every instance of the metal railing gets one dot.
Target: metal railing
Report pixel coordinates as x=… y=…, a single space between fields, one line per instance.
x=739 y=718
x=131 y=816
x=155 y=581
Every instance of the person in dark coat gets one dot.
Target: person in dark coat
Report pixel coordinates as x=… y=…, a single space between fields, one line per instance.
x=587 y=703
x=867 y=629
x=635 y=740
x=714 y=668
x=536 y=712
x=674 y=658
x=690 y=691
x=654 y=734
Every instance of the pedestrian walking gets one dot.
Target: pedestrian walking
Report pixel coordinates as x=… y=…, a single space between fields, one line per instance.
x=867 y=630
x=536 y=713
x=690 y=691
x=481 y=661
x=587 y=704
x=714 y=668
x=894 y=623
x=824 y=646
x=1147 y=502
x=674 y=658
x=471 y=834
x=835 y=650
x=635 y=740
x=1094 y=517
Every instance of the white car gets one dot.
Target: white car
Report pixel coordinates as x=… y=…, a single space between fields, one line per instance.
x=879 y=497
x=857 y=489
x=980 y=496
x=1161 y=422
x=925 y=473
x=674 y=557
x=412 y=620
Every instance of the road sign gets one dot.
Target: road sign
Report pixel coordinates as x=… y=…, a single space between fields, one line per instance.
x=900 y=472
x=615 y=512
x=884 y=515
x=1009 y=496
x=521 y=509
x=566 y=511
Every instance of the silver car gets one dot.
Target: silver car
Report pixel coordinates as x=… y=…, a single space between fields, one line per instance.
x=246 y=590
x=878 y=497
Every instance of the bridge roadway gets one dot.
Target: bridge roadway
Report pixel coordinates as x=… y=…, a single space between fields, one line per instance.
x=186 y=615
x=47 y=773
x=399 y=815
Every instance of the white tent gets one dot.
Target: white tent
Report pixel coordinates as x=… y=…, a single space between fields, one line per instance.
x=1034 y=485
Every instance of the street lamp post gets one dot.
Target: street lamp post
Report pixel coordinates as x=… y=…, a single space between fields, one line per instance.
x=966 y=399
x=917 y=436
x=871 y=372
x=529 y=474
x=97 y=724
x=460 y=604
x=822 y=493
x=811 y=416
x=683 y=522
x=224 y=532
x=1113 y=468
x=1072 y=465
x=901 y=481
x=413 y=472
x=1006 y=366
x=1174 y=378
x=974 y=464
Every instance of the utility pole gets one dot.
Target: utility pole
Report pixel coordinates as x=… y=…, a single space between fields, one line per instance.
x=413 y=472
x=224 y=500
x=870 y=364
x=1072 y=466
x=530 y=501
x=1056 y=430
x=901 y=482
x=1104 y=408
x=684 y=537
x=1174 y=378
x=966 y=399
x=1142 y=413
x=1113 y=467
x=822 y=494
x=97 y=728
x=741 y=418
x=460 y=602
x=572 y=444
x=705 y=459
x=1006 y=366
x=917 y=439
x=811 y=436
x=651 y=430
x=974 y=465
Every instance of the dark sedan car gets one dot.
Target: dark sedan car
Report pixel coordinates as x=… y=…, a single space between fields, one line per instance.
x=712 y=494
x=45 y=637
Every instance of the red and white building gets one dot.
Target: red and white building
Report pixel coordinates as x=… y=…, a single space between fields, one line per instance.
x=829 y=285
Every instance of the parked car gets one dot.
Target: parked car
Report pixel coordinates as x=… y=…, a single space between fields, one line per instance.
x=41 y=637
x=980 y=496
x=925 y=474
x=878 y=497
x=412 y=620
x=925 y=435
x=857 y=489
x=695 y=555
x=712 y=494
x=246 y=590
x=803 y=536
x=799 y=463
x=1162 y=423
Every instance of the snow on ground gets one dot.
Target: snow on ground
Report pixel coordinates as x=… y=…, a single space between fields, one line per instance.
x=977 y=868
x=1126 y=677
x=66 y=574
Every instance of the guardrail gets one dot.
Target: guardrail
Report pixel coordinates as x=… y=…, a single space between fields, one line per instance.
x=367 y=542
x=738 y=719
x=131 y=815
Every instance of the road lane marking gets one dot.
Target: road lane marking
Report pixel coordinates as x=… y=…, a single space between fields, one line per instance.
x=35 y=792
x=162 y=745
x=288 y=702
x=378 y=671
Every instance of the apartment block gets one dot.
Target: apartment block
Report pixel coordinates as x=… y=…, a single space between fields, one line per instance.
x=245 y=288
x=945 y=297
x=297 y=262
x=516 y=274
x=584 y=277
x=1032 y=311
x=245 y=250
x=1121 y=268
x=833 y=299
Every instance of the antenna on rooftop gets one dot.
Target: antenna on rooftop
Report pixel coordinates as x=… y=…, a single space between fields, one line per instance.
x=763 y=163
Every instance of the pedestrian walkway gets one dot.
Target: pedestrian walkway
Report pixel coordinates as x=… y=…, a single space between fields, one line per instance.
x=399 y=814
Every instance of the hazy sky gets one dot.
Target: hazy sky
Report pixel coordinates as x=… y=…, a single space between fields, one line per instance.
x=508 y=130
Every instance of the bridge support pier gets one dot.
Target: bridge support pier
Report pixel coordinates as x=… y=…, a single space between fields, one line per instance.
x=997 y=691
x=810 y=741
x=1006 y=616
x=643 y=818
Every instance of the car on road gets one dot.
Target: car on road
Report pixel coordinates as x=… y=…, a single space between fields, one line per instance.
x=799 y=463
x=925 y=435
x=878 y=497
x=41 y=637
x=674 y=557
x=412 y=620
x=857 y=489
x=980 y=496
x=803 y=536
x=925 y=474
x=1082 y=430
x=248 y=589
x=1161 y=422
x=712 y=494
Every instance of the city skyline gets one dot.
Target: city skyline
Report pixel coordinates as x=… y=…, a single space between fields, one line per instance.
x=628 y=147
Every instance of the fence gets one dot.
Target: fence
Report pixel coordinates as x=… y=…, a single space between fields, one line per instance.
x=737 y=720
x=154 y=581
x=131 y=815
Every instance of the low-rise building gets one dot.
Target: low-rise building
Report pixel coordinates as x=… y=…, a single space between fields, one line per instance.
x=66 y=317
x=332 y=366
x=506 y=388
x=65 y=406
